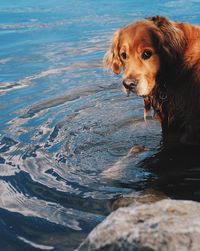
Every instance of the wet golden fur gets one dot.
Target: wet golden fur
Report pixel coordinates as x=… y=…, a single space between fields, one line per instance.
x=169 y=81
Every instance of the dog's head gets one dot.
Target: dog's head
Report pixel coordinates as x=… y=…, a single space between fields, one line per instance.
x=139 y=48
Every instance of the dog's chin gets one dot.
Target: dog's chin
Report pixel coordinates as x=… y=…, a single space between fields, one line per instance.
x=143 y=95
x=127 y=92
x=144 y=89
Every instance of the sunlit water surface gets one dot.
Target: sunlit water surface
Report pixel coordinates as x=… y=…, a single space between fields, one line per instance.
x=66 y=127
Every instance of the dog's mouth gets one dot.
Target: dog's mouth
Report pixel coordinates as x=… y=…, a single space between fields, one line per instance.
x=127 y=90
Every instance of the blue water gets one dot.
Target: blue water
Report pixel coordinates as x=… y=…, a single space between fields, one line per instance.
x=66 y=127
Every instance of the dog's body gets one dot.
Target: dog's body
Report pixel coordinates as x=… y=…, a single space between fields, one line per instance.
x=161 y=63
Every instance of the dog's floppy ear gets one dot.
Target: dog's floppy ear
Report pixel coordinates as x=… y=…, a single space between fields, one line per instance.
x=172 y=38
x=111 y=58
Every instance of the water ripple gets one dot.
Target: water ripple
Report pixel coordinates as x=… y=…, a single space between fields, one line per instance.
x=8 y=86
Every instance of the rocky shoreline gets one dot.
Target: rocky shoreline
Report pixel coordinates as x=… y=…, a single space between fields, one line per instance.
x=148 y=222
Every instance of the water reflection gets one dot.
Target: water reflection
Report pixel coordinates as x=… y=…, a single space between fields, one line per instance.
x=175 y=168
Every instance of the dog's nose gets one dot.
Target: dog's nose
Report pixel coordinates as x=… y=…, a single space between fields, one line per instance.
x=130 y=84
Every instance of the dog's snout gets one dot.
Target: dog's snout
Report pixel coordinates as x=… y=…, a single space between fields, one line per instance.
x=130 y=84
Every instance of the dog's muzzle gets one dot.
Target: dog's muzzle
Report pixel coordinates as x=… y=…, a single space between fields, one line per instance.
x=129 y=85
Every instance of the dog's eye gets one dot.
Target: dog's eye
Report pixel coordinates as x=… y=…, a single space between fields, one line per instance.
x=123 y=55
x=146 y=54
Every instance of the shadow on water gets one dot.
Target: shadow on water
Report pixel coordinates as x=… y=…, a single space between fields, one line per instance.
x=175 y=169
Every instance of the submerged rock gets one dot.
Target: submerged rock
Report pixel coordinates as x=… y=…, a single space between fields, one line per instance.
x=166 y=225
x=146 y=196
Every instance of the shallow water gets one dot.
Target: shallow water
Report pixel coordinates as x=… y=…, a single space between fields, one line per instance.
x=66 y=127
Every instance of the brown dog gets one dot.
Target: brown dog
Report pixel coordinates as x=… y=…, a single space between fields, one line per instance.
x=160 y=59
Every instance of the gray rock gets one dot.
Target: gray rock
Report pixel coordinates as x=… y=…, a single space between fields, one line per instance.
x=167 y=225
